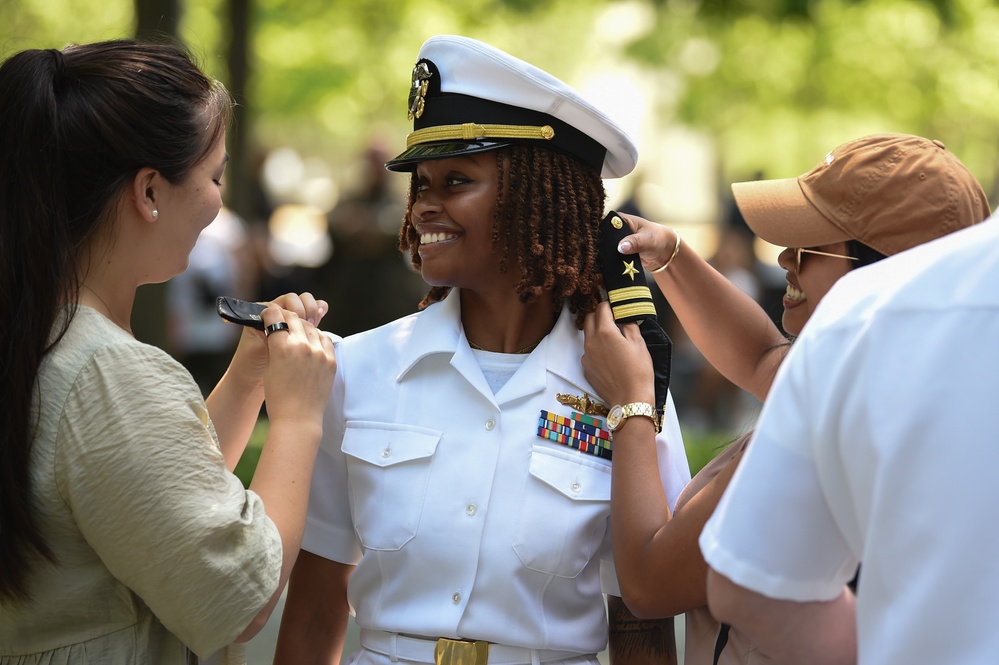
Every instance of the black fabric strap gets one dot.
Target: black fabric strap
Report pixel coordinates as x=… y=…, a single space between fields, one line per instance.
x=721 y=642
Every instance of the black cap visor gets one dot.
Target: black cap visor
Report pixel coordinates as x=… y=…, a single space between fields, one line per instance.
x=408 y=160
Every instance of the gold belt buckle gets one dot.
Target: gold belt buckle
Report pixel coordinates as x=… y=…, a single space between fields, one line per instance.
x=461 y=652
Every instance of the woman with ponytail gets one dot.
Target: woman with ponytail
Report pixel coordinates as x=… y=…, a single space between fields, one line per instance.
x=125 y=535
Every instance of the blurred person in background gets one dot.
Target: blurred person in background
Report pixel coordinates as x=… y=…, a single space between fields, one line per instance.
x=715 y=403
x=221 y=263
x=368 y=280
x=869 y=198
x=126 y=536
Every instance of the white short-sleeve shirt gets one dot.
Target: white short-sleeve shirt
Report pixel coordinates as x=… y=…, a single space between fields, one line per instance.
x=879 y=443
x=462 y=520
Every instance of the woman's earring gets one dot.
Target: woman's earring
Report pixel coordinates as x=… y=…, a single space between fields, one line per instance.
x=156 y=213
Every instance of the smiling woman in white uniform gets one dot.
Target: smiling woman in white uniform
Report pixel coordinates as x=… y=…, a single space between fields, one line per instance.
x=466 y=525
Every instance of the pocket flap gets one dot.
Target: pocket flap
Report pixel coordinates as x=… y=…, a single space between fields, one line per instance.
x=578 y=479
x=385 y=444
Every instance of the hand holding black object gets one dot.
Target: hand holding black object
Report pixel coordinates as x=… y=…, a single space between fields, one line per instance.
x=243 y=312
x=631 y=300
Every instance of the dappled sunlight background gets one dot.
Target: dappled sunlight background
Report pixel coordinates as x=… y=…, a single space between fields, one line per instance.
x=713 y=91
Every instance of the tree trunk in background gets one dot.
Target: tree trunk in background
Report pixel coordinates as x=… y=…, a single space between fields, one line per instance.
x=157 y=17
x=154 y=18
x=239 y=190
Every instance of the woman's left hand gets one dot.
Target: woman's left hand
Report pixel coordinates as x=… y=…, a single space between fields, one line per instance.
x=250 y=358
x=616 y=360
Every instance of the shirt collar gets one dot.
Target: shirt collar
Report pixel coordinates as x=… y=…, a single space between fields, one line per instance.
x=437 y=329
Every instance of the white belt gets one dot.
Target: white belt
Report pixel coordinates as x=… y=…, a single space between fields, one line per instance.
x=421 y=650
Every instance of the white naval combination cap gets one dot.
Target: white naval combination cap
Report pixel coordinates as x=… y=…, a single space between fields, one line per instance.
x=467 y=96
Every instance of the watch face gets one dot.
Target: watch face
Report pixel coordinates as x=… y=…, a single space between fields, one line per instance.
x=614 y=417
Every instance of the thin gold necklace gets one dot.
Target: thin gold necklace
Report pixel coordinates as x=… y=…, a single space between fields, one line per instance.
x=110 y=315
x=526 y=349
x=98 y=296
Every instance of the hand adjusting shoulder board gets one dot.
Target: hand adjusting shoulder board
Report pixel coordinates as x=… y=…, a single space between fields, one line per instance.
x=631 y=300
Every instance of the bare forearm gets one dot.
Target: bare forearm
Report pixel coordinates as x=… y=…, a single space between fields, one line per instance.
x=820 y=632
x=282 y=479
x=652 y=566
x=733 y=332
x=659 y=564
x=316 y=614
x=639 y=510
x=234 y=406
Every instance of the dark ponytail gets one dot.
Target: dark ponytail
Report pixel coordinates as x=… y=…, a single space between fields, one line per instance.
x=76 y=126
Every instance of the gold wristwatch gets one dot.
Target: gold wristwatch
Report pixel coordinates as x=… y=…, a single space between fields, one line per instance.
x=618 y=414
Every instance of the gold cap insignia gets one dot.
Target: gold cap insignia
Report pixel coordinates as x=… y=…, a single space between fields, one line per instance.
x=418 y=90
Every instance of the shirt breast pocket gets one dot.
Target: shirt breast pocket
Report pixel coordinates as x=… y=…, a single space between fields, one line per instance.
x=564 y=512
x=388 y=469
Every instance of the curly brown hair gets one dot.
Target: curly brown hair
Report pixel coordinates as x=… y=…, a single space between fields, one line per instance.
x=549 y=221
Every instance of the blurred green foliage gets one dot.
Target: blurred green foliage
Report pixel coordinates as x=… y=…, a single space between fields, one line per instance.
x=778 y=83
x=771 y=84
x=248 y=462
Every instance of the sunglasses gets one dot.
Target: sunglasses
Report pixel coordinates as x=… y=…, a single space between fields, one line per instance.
x=798 y=251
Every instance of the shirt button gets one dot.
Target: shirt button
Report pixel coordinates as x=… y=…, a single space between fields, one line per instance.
x=490 y=425
x=470 y=509
x=456 y=597
x=387 y=453
x=575 y=487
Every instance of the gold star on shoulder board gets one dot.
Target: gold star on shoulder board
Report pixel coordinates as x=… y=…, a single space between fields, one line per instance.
x=630 y=270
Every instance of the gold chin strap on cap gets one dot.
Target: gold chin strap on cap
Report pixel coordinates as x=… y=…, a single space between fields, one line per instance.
x=461 y=652
x=470 y=131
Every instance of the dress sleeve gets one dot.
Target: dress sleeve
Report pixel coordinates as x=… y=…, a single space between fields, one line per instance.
x=329 y=527
x=139 y=465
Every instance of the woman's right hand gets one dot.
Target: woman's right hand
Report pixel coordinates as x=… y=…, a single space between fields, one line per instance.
x=301 y=366
x=615 y=360
x=249 y=362
x=654 y=243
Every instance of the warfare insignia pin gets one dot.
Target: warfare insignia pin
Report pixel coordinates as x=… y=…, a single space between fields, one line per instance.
x=582 y=404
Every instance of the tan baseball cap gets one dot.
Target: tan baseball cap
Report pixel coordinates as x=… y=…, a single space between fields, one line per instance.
x=891 y=192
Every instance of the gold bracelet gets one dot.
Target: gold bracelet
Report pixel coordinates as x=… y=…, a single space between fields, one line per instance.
x=676 y=250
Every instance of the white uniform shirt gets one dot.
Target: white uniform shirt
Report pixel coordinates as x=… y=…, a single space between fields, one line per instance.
x=464 y=523
x=880 y=443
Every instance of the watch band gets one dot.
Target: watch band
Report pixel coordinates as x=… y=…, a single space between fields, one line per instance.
x=619 y=413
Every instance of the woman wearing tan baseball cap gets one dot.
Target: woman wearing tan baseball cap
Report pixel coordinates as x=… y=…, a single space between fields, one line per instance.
x=867 y=199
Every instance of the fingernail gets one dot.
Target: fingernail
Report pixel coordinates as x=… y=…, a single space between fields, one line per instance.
x=322 y=312
x=624 y=247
